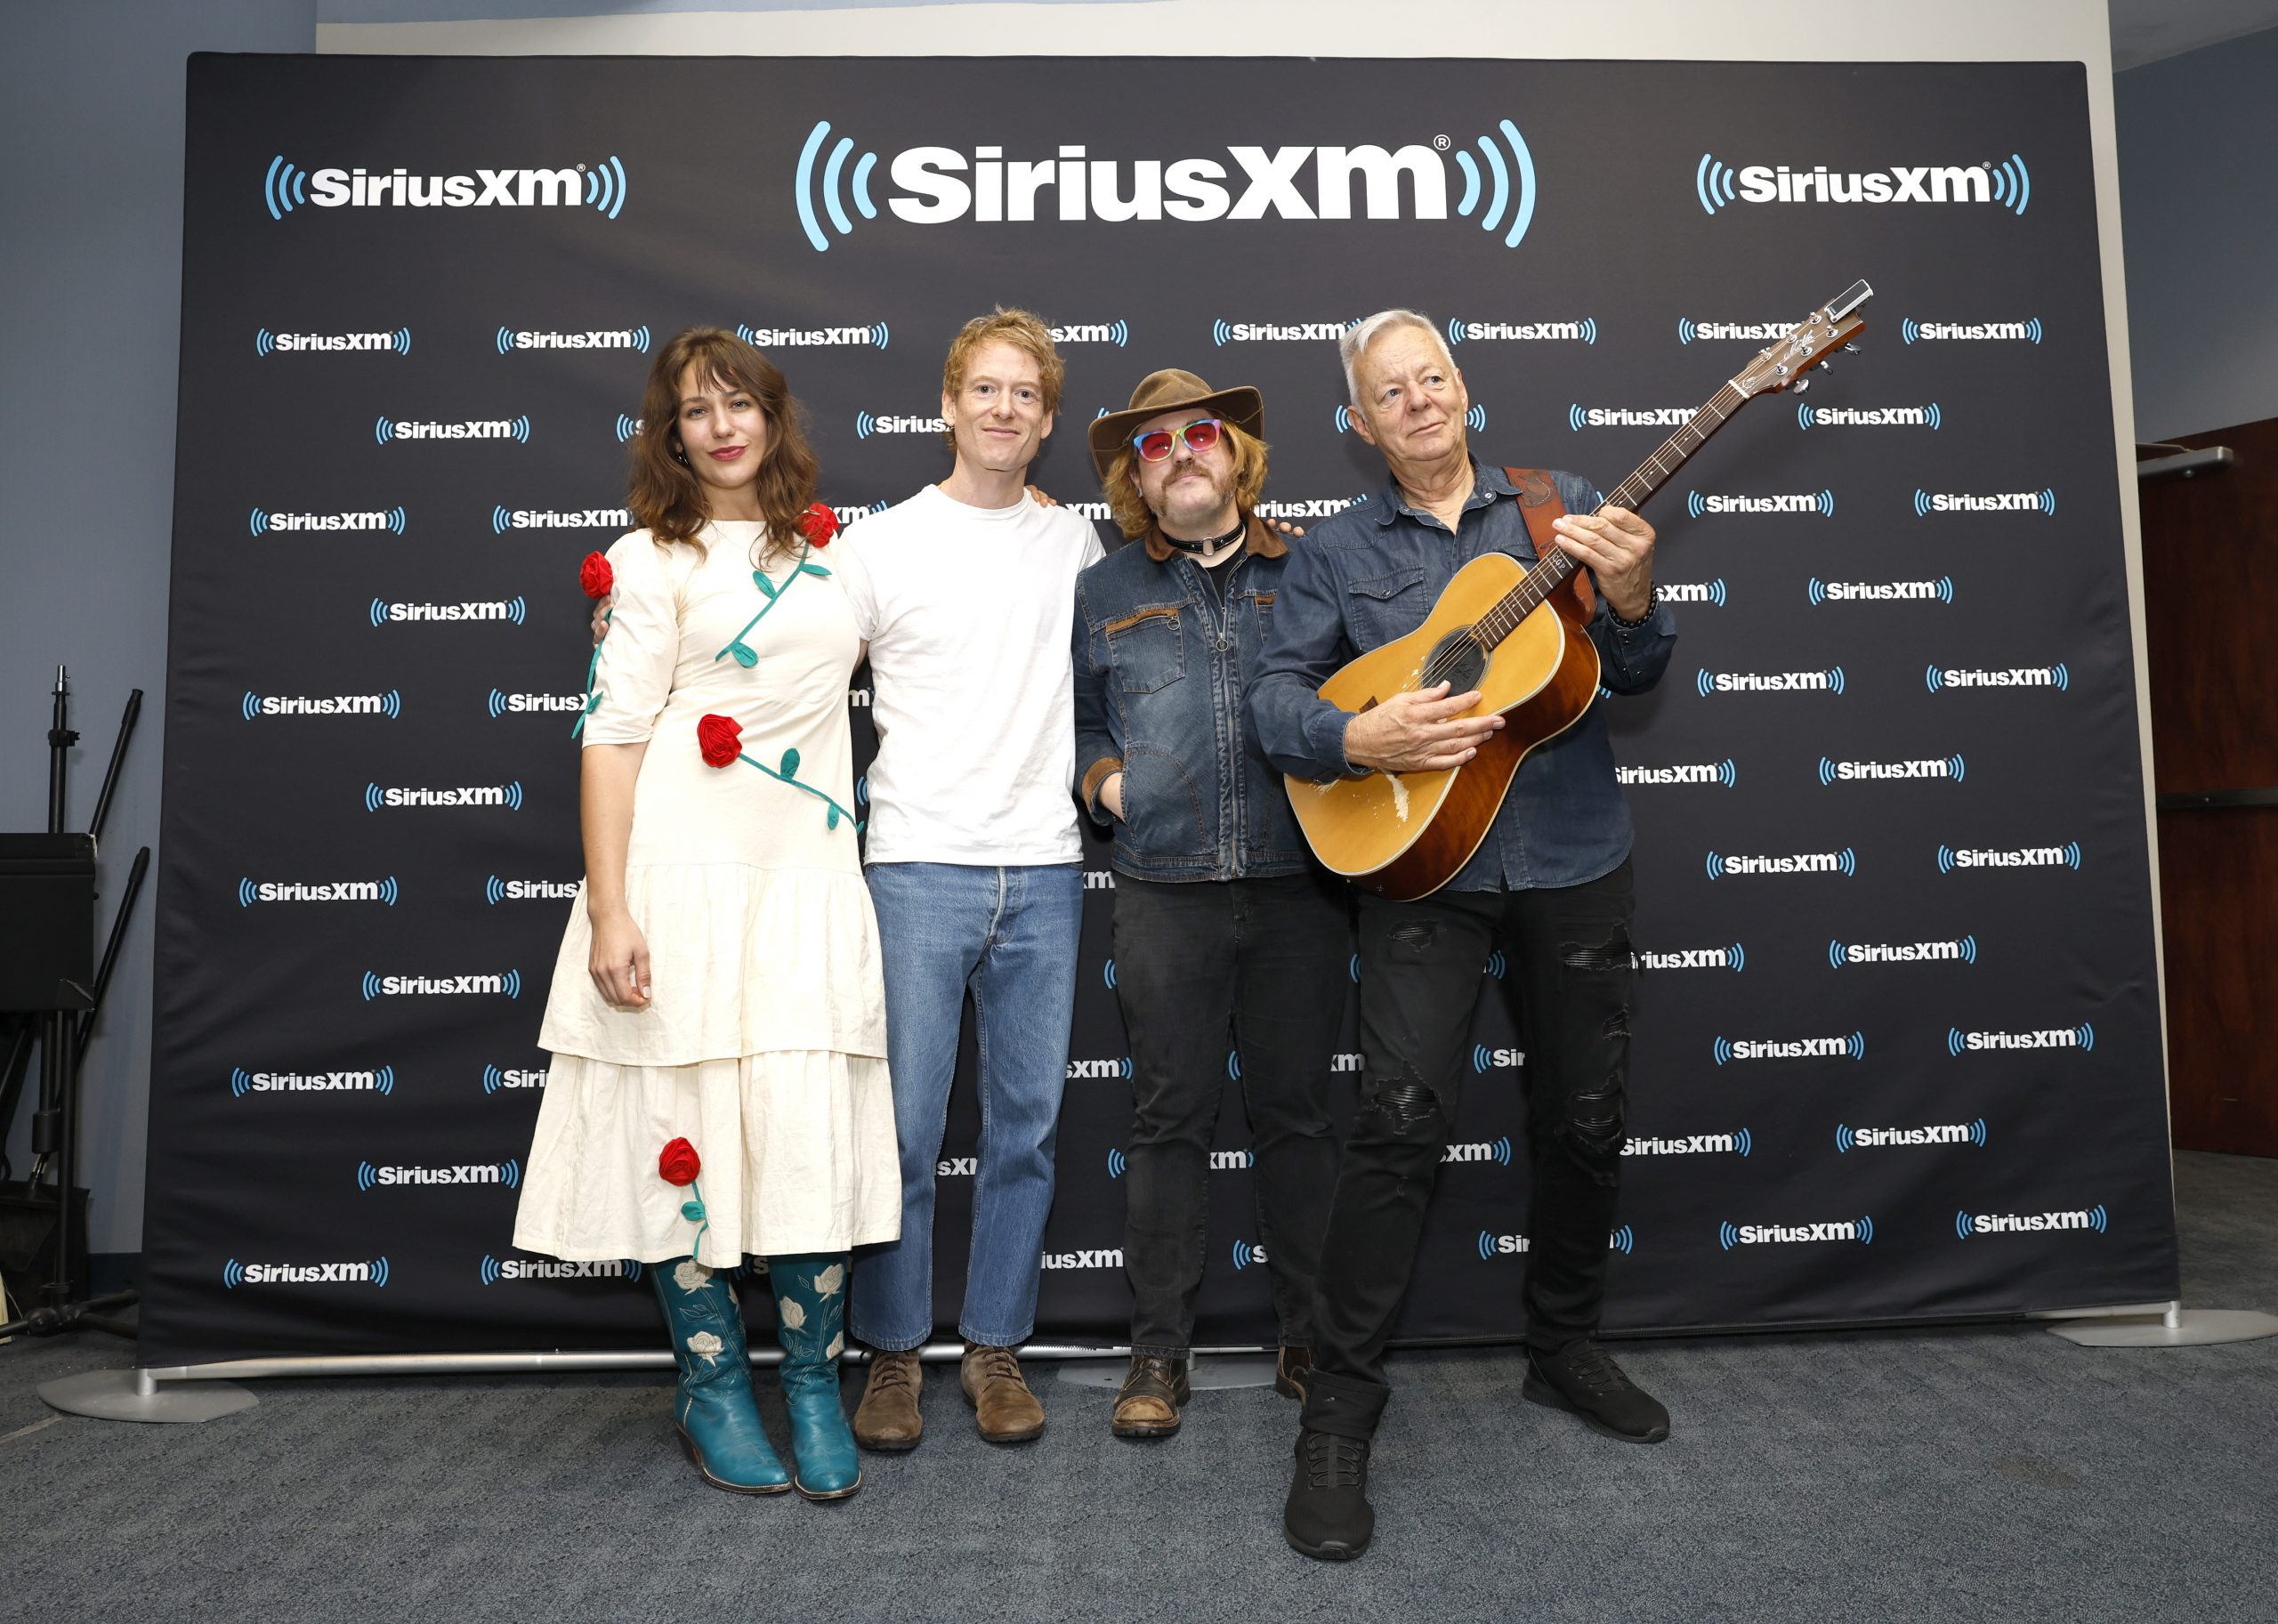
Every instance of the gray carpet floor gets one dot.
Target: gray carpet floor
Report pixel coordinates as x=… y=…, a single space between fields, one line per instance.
x=1995 y=1474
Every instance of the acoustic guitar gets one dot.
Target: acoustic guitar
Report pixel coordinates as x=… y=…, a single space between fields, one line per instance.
x=1517 y=635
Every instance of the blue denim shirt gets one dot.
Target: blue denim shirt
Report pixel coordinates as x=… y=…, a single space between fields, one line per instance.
x=1372 y=574
x=1162 y=668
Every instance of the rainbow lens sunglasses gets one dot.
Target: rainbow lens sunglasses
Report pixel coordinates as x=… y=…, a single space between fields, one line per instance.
x=1199 y=435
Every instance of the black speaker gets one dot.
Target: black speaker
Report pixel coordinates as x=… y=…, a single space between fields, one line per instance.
x=27 y=1214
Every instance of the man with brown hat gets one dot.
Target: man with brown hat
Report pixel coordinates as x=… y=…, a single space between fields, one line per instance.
x=1230 y=944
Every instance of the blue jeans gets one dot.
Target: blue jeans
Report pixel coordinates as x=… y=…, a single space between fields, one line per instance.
x=1008 y=936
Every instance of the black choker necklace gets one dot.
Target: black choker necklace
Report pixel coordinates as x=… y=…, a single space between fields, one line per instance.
x=1209 y=544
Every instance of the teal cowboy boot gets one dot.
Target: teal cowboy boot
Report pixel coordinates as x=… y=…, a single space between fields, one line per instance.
x=712 y=1409
x=811 y=1319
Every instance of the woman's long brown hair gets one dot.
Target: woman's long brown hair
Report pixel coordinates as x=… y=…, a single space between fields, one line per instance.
x=665 y=495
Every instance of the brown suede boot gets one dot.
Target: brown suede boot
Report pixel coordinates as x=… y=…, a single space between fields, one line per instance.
x=887 y=1418
x=1008 y=1412
x=1290 y=1369
x=1148 y=1403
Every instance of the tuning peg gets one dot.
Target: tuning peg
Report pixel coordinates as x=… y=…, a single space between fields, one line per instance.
x=1853 y=348
x=1800 y=384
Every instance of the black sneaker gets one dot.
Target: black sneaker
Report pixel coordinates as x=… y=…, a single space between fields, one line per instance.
x=1583 y=1378
x=1329 y=1516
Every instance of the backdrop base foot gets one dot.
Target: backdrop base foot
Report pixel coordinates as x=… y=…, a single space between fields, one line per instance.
x=2178 y=1328
x=1205 y=1372
x=125 y=1395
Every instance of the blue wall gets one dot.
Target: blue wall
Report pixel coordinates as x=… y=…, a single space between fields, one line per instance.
x=2199 y=200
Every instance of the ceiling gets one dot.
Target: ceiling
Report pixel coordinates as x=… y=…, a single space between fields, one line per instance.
x=2146 y=30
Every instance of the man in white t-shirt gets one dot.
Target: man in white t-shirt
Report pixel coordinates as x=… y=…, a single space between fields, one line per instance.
x=965 y=593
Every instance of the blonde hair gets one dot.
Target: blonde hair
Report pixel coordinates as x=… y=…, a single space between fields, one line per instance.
x=1025 y=331
x=1130 y=508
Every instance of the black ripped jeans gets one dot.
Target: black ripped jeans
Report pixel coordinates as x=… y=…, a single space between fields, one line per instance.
x=1420 y=976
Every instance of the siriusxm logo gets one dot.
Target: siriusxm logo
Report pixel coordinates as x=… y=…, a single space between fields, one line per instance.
x=1317 y=507
x=1247 y=1252
x=1484 y=1060
x=1966 y=1223
x=508 y=1172
x=508 y=795
x=1716 y=185
x=957 y=1166
x=1099 y=880
x=1698 y=772
x=1754 y=332
x=243 y=1082
x=1830 y=681
x=1940 y=591
x=1691 y=592
x=1855 y=771
x=1844 y=862
x=1840 y=1048
x=1810 y=417
x=1223 y=332
x=1734 y=958
x=1580 y=417
x=385 y=431
x=266 y=342
x=1476 y=419
x=505 y=519
x=389 y=704
x=1095 y=1070
x=937 y=185
x=381 y=612
x=288 y=186
x=1585 y=331
x=1220 y=1161
x=2082 y=1037
x=1848 y=1139
x=1913 y=332
x=1937 y=679
x=627 y=427
x=846 y=516
x=534 y=704
x=2066 y=856
x=1347 y=1060
x=1107 y=1258
x=2042 y=501
x=250 y=891
x=495 y=1077
x=1860 y=1229
x=1962 y=950
x=263 y=520
x=375 y=986
x=874 y=335
x=867 y=424
x=508 y=340
x=1117 y=332
x=1820 y=502
x=365 y=1271
x=496 y=891
x=491 y=1270
x=1740 y=1142
x=1490 y=1246
x=1498 y=1151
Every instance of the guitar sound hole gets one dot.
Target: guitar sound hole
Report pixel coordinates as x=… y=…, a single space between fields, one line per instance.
x=1458 y=661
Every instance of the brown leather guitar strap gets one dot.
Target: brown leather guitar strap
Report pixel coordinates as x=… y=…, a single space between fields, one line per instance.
x=1539 y=505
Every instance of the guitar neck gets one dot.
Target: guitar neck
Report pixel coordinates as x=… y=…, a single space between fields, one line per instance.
x=1633 y=493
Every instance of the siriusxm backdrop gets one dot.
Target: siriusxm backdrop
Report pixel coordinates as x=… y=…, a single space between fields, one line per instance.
x=1898 y=1048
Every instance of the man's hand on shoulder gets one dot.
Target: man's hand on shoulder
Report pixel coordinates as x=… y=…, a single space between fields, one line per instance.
x=1424 y=732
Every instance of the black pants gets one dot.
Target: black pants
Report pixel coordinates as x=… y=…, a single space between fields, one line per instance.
x=1420 y=976
x=1263 y=962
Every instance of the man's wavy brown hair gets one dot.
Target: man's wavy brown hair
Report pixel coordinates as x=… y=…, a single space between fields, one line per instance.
x=1130 y=508
x=665 y=495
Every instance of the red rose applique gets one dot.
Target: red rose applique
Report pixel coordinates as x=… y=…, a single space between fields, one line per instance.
x=721 y=738
x=679 y=1163
x=818 y=524
x=595 y=576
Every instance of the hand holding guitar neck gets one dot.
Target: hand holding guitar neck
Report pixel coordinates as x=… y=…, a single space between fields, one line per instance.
x=1426 y=732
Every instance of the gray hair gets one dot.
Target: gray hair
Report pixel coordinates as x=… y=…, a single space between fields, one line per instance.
x=1358 y=337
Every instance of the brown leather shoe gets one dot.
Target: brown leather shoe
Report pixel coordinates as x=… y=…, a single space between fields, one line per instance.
x=1147 y=1405
x=887 y=1418
x=1290 y=1369
x=1008 y=1412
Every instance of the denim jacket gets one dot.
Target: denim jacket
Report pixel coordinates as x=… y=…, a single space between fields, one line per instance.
x=1162 y=669
x=1372 y=574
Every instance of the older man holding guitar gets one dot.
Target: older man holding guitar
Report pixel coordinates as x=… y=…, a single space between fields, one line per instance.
x=1428 y=690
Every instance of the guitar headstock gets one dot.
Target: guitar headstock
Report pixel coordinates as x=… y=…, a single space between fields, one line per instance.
x=1807 y=345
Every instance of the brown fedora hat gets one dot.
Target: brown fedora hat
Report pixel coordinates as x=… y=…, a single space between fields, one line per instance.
x=1170 y=391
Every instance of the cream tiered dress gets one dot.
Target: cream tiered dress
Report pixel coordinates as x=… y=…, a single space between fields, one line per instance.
x=764 y=1043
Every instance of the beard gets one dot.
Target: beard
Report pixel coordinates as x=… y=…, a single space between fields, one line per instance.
x=1196 y=499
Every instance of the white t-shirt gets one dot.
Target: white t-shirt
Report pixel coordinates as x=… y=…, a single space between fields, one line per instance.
x=967 y=611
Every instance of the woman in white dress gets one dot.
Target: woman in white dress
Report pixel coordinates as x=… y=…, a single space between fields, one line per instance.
x=716 y=1021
